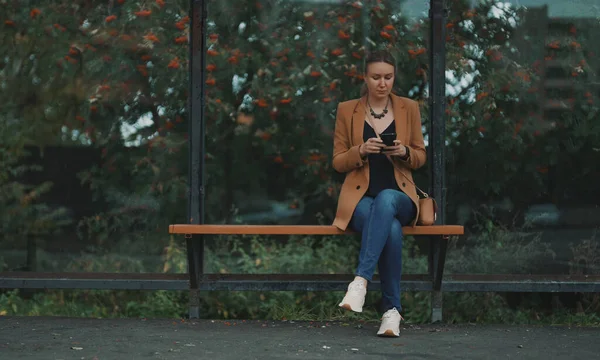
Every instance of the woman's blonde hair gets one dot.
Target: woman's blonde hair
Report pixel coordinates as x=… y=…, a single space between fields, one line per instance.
x=374 y=57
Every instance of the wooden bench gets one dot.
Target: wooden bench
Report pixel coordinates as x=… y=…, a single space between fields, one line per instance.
x=199 y=281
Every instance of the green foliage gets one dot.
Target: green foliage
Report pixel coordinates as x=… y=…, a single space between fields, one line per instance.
x=94 y=303
x=22 y=215
x=236 y=255
x=301 y=254
x=496 y=248
x=491 y=308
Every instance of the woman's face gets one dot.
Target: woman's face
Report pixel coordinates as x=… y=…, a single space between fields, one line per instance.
x=379 y=79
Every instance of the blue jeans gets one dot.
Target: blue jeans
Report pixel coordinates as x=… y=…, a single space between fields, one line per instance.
x=380 y=222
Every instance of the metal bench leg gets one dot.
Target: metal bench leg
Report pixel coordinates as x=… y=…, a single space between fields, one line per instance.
x=195 y=252
x=437 y=260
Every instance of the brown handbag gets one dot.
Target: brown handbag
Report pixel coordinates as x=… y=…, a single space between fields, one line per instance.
x=427 y=204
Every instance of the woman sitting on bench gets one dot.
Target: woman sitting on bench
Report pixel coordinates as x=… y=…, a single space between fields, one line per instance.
x=377 y=143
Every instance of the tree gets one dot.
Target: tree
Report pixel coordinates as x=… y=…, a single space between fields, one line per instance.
x=113 y=76
x=504 y=143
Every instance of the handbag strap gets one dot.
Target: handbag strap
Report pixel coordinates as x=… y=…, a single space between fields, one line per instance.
x=388 y=156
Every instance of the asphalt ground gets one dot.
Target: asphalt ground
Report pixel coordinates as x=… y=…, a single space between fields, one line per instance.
x=54 y=338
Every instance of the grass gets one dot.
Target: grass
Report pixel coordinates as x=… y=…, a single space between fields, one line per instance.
x=458 y=307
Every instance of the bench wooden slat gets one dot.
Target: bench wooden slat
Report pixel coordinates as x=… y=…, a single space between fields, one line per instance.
x=211 y=229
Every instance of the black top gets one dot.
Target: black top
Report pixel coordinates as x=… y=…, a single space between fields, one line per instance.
x=381 y=170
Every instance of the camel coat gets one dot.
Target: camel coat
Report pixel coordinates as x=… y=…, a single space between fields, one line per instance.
x=348 y=136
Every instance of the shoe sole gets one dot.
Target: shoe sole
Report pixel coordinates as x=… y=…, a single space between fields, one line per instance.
x=388 y=333
x=348 y=307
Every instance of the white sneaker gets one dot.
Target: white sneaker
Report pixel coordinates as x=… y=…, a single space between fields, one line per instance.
x=390 y=323
x=355 y=296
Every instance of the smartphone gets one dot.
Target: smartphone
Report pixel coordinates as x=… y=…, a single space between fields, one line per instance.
x=388 y=138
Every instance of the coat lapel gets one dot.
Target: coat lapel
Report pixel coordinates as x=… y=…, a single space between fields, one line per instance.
x=400 y=119
x=358 y=123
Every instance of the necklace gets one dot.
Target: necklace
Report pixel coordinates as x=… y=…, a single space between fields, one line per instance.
x=385 y=110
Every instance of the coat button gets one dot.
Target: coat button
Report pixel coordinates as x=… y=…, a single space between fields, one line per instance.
x=358 y=187
x=403 y=184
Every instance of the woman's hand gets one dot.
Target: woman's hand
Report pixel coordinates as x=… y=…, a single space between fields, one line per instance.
x=397 y=150
x=372 y=146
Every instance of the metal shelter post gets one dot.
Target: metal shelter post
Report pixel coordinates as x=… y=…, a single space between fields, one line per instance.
x=437 y=130
x=195 y=243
